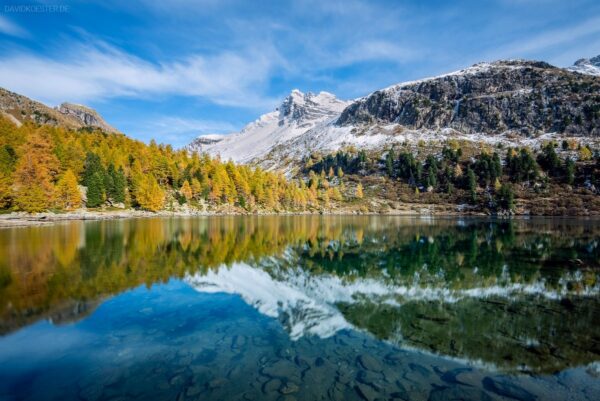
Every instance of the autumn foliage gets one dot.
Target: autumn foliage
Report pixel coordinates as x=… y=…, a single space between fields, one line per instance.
x=42 y=167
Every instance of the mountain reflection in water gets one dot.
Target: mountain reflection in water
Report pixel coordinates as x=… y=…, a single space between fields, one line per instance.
x=512 y=296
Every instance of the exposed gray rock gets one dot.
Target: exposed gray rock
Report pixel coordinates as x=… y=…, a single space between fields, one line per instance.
x=524 y=97
x=87 y=116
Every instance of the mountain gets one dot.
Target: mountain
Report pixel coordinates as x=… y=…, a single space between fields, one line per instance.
x=587 y=66
x=526 y=98
x=88 y=117
x=514 y=102
x=20 y=109
x=298 y=114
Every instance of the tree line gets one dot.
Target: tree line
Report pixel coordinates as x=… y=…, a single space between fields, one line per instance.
x=448 y=170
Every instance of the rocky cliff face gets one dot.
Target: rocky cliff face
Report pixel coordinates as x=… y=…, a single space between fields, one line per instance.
x=88 y=117
x=522 y=97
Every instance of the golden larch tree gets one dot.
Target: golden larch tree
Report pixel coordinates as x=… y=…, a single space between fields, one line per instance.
x=359 y=191
x=186 y=190
x=67 y=192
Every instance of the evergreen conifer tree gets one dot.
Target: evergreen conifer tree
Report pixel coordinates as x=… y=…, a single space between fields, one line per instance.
x=95 y=190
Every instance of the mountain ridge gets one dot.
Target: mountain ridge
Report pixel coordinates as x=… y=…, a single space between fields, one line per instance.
x=516 y=102
x=20 y=109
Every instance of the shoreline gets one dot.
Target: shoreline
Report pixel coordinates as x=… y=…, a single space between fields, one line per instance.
x=22 y=219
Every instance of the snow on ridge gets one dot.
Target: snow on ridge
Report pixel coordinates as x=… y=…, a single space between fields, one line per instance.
x=586 y=69
x=297 y=114
x=213 y=137
x=472 y=70
x=587 y=66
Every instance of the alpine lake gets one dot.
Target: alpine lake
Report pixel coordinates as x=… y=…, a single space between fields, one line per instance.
x=301 y=308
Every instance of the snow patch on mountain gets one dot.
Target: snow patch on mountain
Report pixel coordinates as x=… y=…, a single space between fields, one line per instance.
x=588 y=66
x=297 y=114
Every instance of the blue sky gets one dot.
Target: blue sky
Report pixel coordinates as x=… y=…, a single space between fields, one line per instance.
x=171 y=70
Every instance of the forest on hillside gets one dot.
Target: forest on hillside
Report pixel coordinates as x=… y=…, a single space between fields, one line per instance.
x=561 y=177
x=51 y=168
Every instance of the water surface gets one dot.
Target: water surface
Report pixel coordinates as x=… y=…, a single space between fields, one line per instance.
x=305 y=308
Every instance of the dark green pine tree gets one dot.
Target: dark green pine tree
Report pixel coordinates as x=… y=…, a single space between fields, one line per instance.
x=432 y=171
x=472 y=185
x=496 y=166
x=109 y=182
x=389 y=162
x=549 y=160
x=506 y=197
x=92 y=165
x=95 y=190
x=431 y=176
x=570 y=171
x=115 y=184
x=120 y=184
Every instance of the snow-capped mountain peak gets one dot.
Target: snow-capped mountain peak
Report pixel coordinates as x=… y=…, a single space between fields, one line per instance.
x=588 y=66
x=298 y=113
x=299 y=107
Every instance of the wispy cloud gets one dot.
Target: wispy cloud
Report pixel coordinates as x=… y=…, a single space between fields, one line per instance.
x=95 y=71
x=10 y=28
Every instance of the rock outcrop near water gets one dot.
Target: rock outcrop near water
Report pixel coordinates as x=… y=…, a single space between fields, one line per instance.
x=524 y=97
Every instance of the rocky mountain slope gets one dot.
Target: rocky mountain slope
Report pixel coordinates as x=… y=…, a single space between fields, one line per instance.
x=20 y=109
x=521 y=97
x=516 y=102
x=88 y=117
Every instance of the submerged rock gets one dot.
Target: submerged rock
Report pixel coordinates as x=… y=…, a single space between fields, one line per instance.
x=507 y=389
x=271 y=386
x=282 y=369
x=289 y=388
x=370 y=363
x=367 y=392
x=458 y=394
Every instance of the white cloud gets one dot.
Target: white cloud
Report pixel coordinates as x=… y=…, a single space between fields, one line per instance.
x=96 y=71
x=8 y=27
